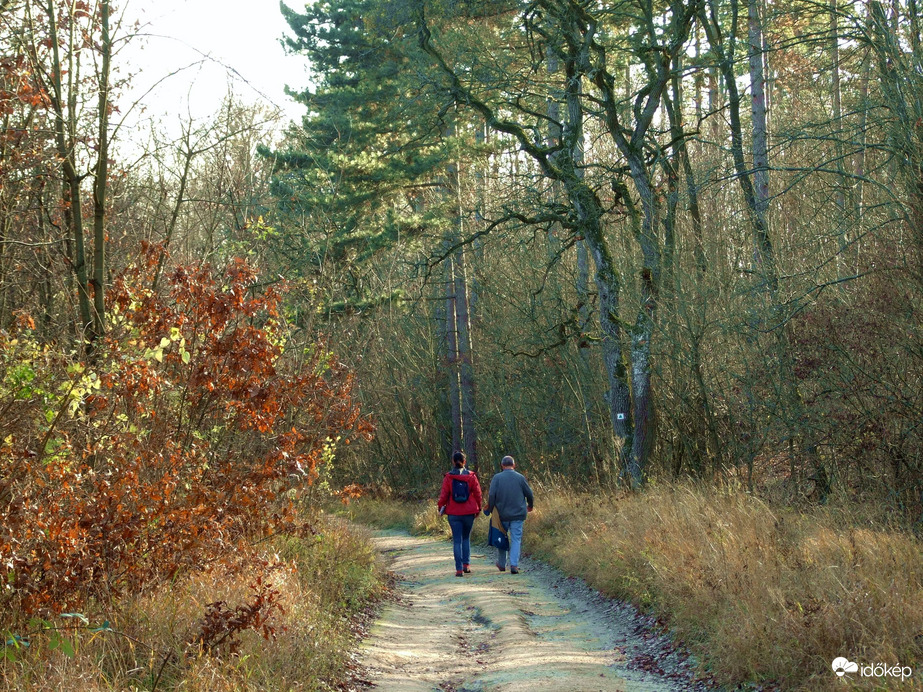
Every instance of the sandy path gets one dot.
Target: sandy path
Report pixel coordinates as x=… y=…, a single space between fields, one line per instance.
x=498 y=632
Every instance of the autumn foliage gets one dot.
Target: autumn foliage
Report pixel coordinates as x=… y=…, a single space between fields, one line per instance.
x=195 y=427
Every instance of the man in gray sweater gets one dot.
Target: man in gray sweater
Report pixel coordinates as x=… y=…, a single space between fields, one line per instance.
x=511 y=496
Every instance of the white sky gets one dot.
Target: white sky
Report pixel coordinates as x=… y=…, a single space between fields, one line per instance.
x=242 y=40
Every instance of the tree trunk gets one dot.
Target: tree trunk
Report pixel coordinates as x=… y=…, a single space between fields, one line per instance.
x=101 y=180
x=589 y=228
x=630 y=144
x=755 y=190
x=5 y=307
x=644 y=324
x=474 y=288
x=188 y=155
x=576 y=153
x=65 y=124
x=843 y=182
x=758 y=94
x=451 y=334
x=697 y=303
x=465 y=360
x=859 y=165
x=608 y=287
x=461 y=316
x=901 y=87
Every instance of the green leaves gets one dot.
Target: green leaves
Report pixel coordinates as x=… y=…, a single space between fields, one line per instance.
x=56 y=641
x=16 y=641
x=63 y=639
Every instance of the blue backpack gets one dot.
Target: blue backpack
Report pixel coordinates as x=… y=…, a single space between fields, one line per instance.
x=460 y=489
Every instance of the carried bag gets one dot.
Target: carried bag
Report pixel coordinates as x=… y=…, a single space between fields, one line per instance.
x=460 y=490
x=496 y=534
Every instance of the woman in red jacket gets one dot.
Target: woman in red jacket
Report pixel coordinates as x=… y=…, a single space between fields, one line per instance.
x=460 y=500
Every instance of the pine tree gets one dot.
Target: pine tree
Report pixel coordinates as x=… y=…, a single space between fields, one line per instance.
x=370 y=143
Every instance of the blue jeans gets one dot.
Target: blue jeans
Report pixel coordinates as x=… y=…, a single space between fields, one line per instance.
x=514 y=529
x=461 y=538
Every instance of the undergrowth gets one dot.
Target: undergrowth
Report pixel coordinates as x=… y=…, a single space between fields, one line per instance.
x=279 y=618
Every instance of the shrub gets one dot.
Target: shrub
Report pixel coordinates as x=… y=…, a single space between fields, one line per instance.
x=169 y=638
x=196 y=424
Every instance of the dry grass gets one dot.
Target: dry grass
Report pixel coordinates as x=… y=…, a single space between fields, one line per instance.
x=415 y=517
x=322 y=582
x=762 y=595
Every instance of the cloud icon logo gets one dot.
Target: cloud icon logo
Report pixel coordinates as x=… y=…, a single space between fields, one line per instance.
x=841 y=666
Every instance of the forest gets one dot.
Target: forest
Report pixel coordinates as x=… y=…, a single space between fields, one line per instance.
x=668 y=254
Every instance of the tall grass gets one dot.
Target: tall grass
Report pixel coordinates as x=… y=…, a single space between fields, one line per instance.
x=323 y=581
x=761 y=594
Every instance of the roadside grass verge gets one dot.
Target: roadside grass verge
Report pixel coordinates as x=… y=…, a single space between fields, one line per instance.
x=312 y=587
x=763 y=596
x=759 y=594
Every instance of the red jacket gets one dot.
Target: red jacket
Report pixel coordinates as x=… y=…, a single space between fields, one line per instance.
x=472 y=506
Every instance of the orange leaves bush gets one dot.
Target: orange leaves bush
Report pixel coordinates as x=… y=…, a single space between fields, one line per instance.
x=221 y=626
x=196 y=426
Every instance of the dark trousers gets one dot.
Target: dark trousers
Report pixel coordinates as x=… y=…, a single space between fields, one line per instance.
x=461 y=538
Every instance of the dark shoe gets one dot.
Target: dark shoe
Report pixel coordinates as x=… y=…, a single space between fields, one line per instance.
x=459 y=573
x=502 y=568
x=514 y=570
x=467 y=569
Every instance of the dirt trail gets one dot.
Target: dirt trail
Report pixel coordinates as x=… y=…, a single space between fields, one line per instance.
x=493 y=631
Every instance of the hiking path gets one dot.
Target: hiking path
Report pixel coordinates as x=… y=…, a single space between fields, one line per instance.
x=492 y=631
